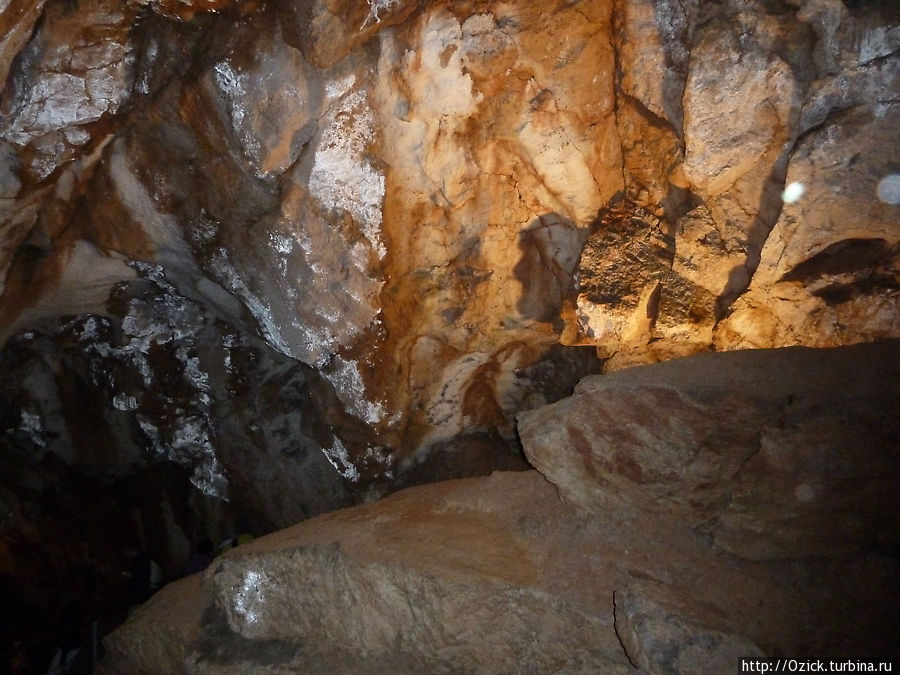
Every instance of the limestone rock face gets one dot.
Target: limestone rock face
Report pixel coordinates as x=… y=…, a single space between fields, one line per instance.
x=441 y=214
x=302 y=254
x=771 y=453
x=829 y=269
x=744 y=87
x=75 y=69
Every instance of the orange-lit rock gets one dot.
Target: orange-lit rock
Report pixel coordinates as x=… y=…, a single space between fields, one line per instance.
x=301 y=254
x=828 y=272
x=451 y=213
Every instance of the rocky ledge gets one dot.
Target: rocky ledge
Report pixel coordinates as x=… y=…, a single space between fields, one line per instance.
x=752 y=514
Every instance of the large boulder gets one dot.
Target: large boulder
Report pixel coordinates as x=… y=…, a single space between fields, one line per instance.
x=497 y=574
x=772 y=453
x=462 y=587
x=658 y=639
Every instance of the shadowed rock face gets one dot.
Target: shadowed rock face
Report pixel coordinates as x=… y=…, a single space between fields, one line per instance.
x=770 y=453
x=331 y=248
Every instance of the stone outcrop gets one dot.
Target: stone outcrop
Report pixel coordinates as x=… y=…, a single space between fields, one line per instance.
x=464 y=566
x=697 y=511
x=406 y=223
x=828 y=269
x=658 y=639
x=422 y=203
x=114 y=402
x=770 y=453
x=498 y=574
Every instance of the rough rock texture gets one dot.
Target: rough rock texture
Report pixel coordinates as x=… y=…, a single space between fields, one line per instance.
x=658 y=639
x=770 y=453
x=184 y=604
x=498 y=575
x=407 y=222
x=829 y=268
x=422 y=203
x=93 y=391
x=75 y=69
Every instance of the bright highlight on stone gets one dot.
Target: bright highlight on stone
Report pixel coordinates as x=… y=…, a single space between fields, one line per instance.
x=889 y=189
x=793 y=192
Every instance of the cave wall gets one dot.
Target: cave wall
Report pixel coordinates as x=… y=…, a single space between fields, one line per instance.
x=306 y=249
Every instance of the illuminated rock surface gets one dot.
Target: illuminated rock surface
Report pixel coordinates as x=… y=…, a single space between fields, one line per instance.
x=497 y=574
x=309 y=253
x=427 y=205
x=694 y=512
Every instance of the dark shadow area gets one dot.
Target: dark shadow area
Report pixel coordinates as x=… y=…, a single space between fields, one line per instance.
x=475 y=454
x=79 y=550
x=847 y=269
x=551 y=250
x=768 y=212
x=849 y=256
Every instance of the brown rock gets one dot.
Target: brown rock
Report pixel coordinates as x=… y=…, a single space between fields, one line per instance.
x=186 y=10
x=403 y=196
x=183 y=604
x=737 y=100
x=828 y=274
x=652 y=38
x=75 y=69
x=774 y=452
x=620 y=274
x=328 y=30
x=270 y=102
x=157 y=376
x=496 y=574
x=498 y=153
x=461 y=587
x=17 y=21
x=656 y=37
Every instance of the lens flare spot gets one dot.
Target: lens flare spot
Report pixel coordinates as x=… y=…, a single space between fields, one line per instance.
x=889 y=189
x=793 y=192
x=804 y=493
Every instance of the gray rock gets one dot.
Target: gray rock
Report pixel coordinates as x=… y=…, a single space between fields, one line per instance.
x=183 y=605
x=445 y=578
